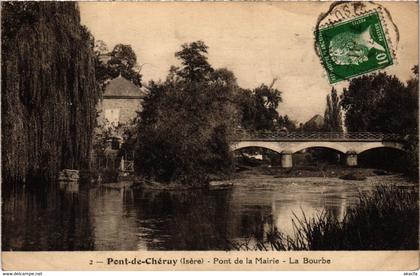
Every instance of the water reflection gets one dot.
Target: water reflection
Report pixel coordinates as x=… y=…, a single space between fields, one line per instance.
x=151 y=220
x=46 y=219
x=184 y=220
x=73 y=217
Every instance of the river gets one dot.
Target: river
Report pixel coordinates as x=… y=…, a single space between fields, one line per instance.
x=76 y=218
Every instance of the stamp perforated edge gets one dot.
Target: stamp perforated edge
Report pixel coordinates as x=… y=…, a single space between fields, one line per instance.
x=332 y=81
x=378 y=10
x=332 y=23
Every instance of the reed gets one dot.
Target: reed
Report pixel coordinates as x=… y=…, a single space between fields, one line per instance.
x=385 y=219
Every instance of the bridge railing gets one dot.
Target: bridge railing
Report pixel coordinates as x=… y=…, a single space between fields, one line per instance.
x=265 y=135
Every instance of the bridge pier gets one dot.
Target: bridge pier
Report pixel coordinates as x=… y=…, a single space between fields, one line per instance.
x=286 y=159
x=351 y=159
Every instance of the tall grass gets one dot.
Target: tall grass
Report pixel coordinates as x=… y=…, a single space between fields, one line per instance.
x=385 y=219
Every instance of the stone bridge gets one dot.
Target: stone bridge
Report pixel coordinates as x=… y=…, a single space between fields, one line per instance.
x=351 y=144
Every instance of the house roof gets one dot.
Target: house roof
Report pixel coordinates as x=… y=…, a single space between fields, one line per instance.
x=316 y=120
x=122 y=88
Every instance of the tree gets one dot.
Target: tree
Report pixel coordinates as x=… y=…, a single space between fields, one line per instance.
x=195 y=67
x=286 y=122
x=412 y=94
x=379 y=103
x=332 y=116
x=412 y=143
x=259 y=107
x=120 y=61
x=246 y=103
x=49 y=92
x=267 y=101
x=187 y=121
x=100 y=47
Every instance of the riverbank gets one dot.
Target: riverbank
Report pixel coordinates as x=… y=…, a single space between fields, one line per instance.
x=321 y=170
x=243 y=172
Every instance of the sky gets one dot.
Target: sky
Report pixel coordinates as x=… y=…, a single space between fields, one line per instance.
x=257 y=41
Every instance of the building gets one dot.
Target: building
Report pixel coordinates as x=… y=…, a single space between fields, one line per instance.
x=316 y=123
x=121 y=102
x=119 y=106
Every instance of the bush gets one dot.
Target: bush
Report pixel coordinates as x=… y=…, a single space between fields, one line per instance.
x=359 y=176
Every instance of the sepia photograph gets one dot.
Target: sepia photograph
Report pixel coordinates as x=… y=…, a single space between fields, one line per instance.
x=242 y=127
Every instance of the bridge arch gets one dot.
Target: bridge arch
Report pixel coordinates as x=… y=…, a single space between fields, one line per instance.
x=389 y=145
x=256 y=144
x=327 y=145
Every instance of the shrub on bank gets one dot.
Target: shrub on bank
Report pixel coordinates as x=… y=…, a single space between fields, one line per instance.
x=359 y=176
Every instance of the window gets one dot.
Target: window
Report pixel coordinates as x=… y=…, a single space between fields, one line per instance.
x=112 y=116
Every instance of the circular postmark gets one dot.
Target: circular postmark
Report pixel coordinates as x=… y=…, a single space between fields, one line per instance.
x=354 y=38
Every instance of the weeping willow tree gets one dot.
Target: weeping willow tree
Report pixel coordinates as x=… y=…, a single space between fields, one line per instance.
x=49 y=90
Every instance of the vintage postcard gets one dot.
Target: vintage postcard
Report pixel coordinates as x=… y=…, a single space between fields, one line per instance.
x=209 y=135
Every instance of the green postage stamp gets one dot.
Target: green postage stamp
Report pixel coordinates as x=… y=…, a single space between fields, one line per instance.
x=354 y=47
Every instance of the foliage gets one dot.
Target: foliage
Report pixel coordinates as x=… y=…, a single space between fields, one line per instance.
x=247 y=106
x=120 y=61
x=332 y=116
x=195 y=67
x=286 y=122
x=412 y=91
x=259 y=108
x=412 y=142
x=186 y=122
x=49 y=92
x=380 y=103
x=105 y=131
